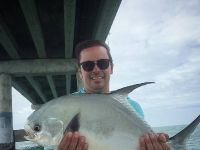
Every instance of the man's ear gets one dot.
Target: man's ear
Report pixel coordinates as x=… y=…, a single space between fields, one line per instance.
x=80 y=73
x=112 y=65
x=79 y=77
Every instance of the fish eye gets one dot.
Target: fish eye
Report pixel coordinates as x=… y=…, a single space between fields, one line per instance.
x=37 y=128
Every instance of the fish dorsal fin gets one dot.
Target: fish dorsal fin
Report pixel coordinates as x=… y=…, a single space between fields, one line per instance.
x=126 y=90
x=186 y=132
x=120 y=96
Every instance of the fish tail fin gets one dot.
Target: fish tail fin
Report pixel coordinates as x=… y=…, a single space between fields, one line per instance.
x=180 y=138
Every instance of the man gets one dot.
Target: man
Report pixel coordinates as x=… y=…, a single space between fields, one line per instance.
x=95 y=65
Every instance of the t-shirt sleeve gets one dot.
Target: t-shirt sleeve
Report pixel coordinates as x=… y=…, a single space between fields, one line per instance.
x=136 y=106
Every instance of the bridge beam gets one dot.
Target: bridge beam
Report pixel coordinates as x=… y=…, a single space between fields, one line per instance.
x=6 y=120
x=38 y=67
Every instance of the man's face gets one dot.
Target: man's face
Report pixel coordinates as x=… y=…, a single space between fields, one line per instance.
x=96 y=80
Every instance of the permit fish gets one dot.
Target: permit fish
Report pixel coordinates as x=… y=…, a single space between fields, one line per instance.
x=106 y=120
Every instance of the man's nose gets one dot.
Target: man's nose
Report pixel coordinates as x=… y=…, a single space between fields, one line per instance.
x=96 y=68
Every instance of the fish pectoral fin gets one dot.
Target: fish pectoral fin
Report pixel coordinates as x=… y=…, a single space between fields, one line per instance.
x=74 y=124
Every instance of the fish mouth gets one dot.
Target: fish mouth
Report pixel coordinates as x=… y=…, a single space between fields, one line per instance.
x=29 y=136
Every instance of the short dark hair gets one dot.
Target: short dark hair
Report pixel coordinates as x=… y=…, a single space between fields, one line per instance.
x=91 y=43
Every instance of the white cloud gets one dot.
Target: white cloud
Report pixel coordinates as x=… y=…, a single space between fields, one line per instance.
x=185 y=72
x=158 y=41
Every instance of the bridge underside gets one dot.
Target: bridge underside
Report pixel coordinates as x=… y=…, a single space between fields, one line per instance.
x=37 y=40
x=41 y=31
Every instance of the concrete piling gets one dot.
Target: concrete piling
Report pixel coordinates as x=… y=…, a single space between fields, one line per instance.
x=6 y=119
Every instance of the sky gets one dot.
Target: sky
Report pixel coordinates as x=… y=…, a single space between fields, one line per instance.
x=152 y=41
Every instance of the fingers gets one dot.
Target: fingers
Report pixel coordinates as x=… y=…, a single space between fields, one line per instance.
x=64 y=144
x=165 y=146
x=82 y=145
x=142 y=143
x=163 y=137
x=153 y=141
x=73 y=141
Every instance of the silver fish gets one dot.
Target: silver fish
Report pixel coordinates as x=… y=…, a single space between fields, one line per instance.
x=107 y=121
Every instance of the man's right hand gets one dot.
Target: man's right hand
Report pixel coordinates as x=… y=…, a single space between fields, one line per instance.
x=73 y=141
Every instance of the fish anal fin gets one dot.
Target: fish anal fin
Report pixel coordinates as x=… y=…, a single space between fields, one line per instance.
x=186 y=132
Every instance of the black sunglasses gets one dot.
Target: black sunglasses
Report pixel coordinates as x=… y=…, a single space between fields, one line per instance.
x=101 y=63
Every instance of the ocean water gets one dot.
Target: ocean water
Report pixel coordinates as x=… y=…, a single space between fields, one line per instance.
x=193 y=143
